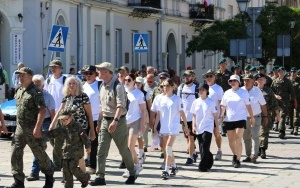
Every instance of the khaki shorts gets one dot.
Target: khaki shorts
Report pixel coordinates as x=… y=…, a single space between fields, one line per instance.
x=134 y=127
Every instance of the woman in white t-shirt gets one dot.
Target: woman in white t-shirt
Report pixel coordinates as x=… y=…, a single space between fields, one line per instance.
x=169 y=110
x=236 y=103
x=205 y=114
x=135 y=118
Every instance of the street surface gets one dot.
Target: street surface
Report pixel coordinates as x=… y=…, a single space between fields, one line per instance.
x=280 y=169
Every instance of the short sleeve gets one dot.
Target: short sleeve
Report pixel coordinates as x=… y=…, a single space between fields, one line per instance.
x=51 y=105
x=39 y=99
x=141 y=98
x=213 y=108
x=246 y=98
x=220 y=94
x=192 y=110
x=261 y=98
x=154 y=106
x=85 y=99
x=147 y=96
x=64 y=100
x=223 y=101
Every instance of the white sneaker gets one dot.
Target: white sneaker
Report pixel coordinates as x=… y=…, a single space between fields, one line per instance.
x=138 y=170
x=218 y=155
x=142 y=158
x=126 y=174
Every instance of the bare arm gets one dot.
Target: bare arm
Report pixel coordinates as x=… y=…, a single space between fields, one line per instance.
x=143 y=117
x=252 y=120
x=54 y=120
x=88 y=111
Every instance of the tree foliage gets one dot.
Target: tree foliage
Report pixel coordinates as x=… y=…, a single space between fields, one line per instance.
x=273 y=20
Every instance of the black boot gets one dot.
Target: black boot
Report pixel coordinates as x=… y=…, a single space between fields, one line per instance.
x=275 y=126
x=16 y=184
x=259 y=152
x=263 y=153
x=49 y=181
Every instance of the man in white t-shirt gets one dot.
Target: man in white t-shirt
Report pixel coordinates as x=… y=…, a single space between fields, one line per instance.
x=258 y=105
x=54 y=86
x=188 y=92
x=216 y=93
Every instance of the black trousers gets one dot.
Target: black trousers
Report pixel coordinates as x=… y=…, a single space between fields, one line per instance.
x=94 y=145
x=204 y=141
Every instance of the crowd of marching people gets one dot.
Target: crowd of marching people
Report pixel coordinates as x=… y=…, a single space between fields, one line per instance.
x=74 y=114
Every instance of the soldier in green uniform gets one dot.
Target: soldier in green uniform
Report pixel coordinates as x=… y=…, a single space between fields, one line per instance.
x=271 y=104
x=237 y=71
x=293 y=112
x=74 y=138
x=262 y=70
x=223 y=75
x=30 y=115
x=252 y=70
x=275 y=72
x=284 y=92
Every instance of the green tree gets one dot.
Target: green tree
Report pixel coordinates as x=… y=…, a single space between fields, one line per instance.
x=273 y=20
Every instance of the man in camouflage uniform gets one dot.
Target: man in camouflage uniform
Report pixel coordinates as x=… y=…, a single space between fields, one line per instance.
x=262 y=70
x=30 y=115
x=223 y=75
x=294 y=113
x=271 y=104
x=284 y=92
x=275 y=72
x=74 y=138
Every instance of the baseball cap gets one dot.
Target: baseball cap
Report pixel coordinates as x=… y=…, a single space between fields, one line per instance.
x=123 y=68
x=275 y=68
x=139 y=79
x=281 y=68
x=164 y=74
x=257 y=76
x=248 y=67
x=261 y=67
x=189 y=68
x=252 y=69
x=106 y=65
x=293 y=69
x=236 y=66
x=222 y=60
x=88 y=68
x=55 y=63
x=188 y=73
x=65 y=113
x=209 y=71
x=235 y=77
x=248 y=77
x=25 y=70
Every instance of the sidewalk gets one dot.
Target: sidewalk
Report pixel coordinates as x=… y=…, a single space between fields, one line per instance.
x=280 y=169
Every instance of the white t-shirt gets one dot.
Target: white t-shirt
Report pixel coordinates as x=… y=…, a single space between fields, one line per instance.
x=55 y=88
x=204 y=110
x=216 y=93
x=187 y=97
x=92 y=91
x=136 y=97
x=235 y=103
x=169 y=109
x=256 y=100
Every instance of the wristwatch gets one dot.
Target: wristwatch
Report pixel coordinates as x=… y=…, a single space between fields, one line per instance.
x=116 y=119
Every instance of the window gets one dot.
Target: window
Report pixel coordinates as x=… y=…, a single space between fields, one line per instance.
x=230 y=11
x=118 y=48
x=97 y=44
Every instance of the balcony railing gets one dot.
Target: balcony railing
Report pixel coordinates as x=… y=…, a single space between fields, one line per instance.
x=145 y=3
x=199 y=11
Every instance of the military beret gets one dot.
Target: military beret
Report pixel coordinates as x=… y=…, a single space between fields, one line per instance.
x=252 y=69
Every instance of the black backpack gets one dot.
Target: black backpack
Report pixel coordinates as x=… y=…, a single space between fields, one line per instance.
x=196 y=91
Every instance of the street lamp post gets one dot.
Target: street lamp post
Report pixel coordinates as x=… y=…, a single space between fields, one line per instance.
x=243 y=5
x=292 y=25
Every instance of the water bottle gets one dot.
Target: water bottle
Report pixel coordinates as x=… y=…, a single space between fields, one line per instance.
x=140 y=135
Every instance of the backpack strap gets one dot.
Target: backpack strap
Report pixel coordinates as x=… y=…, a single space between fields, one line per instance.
x=64 y=80
x=180 y=90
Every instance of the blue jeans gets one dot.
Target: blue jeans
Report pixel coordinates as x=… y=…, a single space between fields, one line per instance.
x=35 y=169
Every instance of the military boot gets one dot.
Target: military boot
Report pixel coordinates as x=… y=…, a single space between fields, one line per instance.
x=16 y=184
x=49 y=181
x=263 y=153
x=275 y=126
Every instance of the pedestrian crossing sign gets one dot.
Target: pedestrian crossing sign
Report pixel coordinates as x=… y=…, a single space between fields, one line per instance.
x=58 y=38
x=140 y=42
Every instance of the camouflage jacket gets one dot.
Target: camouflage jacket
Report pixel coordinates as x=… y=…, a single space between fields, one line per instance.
x=269 y=96
x=222 y=79
x=296 y=87
x=283 y=87
x=74 y=138
x=28 y=102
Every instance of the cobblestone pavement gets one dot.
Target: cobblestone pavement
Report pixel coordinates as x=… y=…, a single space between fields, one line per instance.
x=280 y=169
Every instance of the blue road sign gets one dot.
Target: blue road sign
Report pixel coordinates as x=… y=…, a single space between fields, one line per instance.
x=58 y=38
x=140 y=42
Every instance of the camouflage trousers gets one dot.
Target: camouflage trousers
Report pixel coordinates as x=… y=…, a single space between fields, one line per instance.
x=23 y=137
x=70 y=168
x=57 y=144
x=294 y=115
x=264 y=133
x=284 y=105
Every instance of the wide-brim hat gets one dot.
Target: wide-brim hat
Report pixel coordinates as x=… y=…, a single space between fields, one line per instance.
x=25 y=70
x=88 y=68
x=248 y=77
x=106 y=65
x=55 y=63
x=209 y=71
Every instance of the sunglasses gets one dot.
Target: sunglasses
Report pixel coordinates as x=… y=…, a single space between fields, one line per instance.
x=209 y=76
x=232 y=81
x=88 y=73
x=127 y=80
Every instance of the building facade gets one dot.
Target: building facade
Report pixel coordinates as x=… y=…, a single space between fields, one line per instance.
x=102 y=30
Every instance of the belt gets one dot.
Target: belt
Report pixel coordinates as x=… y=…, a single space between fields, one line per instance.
x=111 y=118
x=47 y=120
